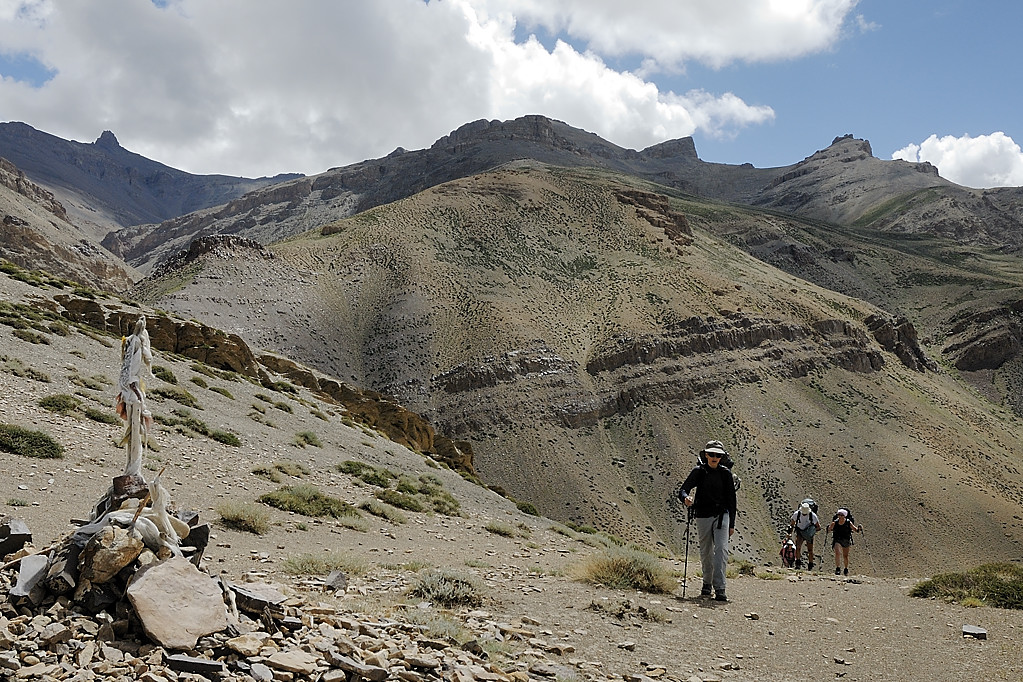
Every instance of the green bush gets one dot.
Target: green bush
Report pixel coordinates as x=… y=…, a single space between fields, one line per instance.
x=28 y=443
x=61 y=403
x=996 y=584
x=200 y=382
x=527 y=508
x=31 y=337
x=308 y=501
x=225 y=437
x=164 y=374
x=383 y=511
x=322 y=564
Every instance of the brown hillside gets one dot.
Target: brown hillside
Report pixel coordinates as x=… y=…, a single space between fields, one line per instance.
x=586 y=336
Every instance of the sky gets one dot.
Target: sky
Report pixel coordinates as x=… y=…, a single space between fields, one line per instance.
x=260 y=87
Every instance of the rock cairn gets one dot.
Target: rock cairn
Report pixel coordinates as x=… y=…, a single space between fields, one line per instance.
x=273 y=633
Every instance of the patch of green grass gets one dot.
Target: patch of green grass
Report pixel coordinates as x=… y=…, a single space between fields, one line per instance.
x=31 y=337
x=367 y=473
x=304 y=438
x=502 y=529
x=399 y=500
x=289 y=468
x=283 y=407
x=206 y=370
x=164 y=374
x=97 y=382
x=102 y=416
x=222 y=391
x=178 y=395
x=17 y=368
x=245 y=516
x=318 y=415
x=200 y=382
x=383 y=511
x=448 y=588
x=997 y=584
x=61 y=403
x=322 y=564
x=625 y=568
x=17 y=502
x=225 y=437
x=29 y=443
x=280 y=387
x=308 y=501
x=268 y=472
x=527 y=508
x=186 y=424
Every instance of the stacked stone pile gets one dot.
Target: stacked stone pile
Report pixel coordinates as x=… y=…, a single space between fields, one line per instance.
x=270 y=633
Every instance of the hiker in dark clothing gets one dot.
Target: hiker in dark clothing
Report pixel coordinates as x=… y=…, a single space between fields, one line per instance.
x=712 y=501
x=842 y=528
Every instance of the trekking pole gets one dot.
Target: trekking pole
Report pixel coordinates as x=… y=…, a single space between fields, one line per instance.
x=685 y=564
x=820 y=565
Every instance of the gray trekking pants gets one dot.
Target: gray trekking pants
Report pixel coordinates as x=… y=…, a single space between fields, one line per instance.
x=713 y=550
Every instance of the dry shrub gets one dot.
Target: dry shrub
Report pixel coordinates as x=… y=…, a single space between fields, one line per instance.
x=244 y=516
x=621 y=568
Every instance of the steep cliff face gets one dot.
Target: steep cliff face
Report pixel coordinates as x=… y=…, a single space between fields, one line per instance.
x=36 y=233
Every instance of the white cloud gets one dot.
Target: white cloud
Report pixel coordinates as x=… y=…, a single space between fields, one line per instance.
x=985 y=161
x=673 y=31
x=251 y=87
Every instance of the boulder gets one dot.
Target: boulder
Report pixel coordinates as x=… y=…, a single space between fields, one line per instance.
x=177 y=603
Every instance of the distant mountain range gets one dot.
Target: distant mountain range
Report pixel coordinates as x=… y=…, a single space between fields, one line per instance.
x=584 y=315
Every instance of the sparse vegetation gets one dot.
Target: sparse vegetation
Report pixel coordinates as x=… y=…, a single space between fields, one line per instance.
x=448 y=588
x=102 y=416
x=222 y=391
x=502 y=529
x=17 y=502
x=61 y=403
x=383 y=511
x=164 y=374
x=290 y=468
x=996 y=584
x=307 y=500
x=188 y=424
x=366 y=473
x=625 y=568
x=304 y=438
x=200 y=382
x=178 y=395
x=322 y=564
x=527 y=508
x=244 y=516
x=29 y=443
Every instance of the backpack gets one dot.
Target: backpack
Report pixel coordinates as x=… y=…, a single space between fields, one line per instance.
x=809 y=501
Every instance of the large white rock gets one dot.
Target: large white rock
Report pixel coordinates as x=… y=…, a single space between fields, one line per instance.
x=177 y=603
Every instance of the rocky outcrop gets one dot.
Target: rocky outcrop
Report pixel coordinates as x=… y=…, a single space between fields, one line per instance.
x=380 y=412
x=14 y=178
x=222 y=246
x=898 y=335
x=986 y=339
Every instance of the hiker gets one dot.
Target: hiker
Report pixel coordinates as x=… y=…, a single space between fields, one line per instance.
x=713 y=500
x=842 y=528
x=788 y=553
x=806 y=524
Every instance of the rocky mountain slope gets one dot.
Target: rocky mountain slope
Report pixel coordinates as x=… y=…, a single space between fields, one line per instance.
x=825 y=186
x=103 y=186
x=533 y=619
x=36 y=232
x=587 y=334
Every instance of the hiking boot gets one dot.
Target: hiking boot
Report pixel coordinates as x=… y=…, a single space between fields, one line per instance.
x=846 y=570
x=705 y=592
x=809 y=566
x=839 y=571
x=720 y=596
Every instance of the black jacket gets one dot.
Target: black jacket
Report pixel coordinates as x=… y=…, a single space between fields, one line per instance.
x=715 y=492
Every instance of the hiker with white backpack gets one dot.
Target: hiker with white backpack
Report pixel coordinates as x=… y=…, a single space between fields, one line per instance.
x=805 y=524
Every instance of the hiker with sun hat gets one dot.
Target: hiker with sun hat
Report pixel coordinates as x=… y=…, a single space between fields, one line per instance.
x=712 y=501
x=806 y=524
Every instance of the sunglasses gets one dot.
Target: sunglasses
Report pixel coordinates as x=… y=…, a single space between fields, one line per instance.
x=710 y=456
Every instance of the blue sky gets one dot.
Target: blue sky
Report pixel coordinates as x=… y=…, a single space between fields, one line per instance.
x=259 y=87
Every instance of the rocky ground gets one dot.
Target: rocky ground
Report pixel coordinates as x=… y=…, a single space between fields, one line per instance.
x=535 y=620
